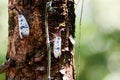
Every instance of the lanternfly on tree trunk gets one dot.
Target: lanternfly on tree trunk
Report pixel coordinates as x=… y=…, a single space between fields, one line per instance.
x=23 y=24
x=27 y=58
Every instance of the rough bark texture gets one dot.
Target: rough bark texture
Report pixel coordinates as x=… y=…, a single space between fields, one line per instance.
x=28 y=56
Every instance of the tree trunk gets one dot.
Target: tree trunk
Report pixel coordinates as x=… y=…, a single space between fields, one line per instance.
x=28 y=56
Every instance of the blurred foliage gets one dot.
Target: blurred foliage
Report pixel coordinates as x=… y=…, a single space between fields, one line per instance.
x=3 y=32
x=99 y=43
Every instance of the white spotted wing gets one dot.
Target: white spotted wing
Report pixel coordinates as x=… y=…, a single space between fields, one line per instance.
x=57 y=47
x=23 y=26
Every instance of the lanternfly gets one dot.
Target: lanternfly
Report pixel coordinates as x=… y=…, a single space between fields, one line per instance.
x=24 y=29
x=57 y=44
x=23 y=26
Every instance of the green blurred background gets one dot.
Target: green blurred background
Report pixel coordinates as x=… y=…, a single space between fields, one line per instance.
x=99 y=43
x=3 y=32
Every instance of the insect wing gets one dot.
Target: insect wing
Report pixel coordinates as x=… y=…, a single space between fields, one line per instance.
x=57 y=47
x=23 y=26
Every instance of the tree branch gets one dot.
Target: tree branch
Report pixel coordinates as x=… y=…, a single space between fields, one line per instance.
x=4 y=67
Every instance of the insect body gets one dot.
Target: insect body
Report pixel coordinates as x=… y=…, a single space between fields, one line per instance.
x=23 y=26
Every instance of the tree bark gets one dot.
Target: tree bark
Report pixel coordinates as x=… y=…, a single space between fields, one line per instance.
x=28 y=56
